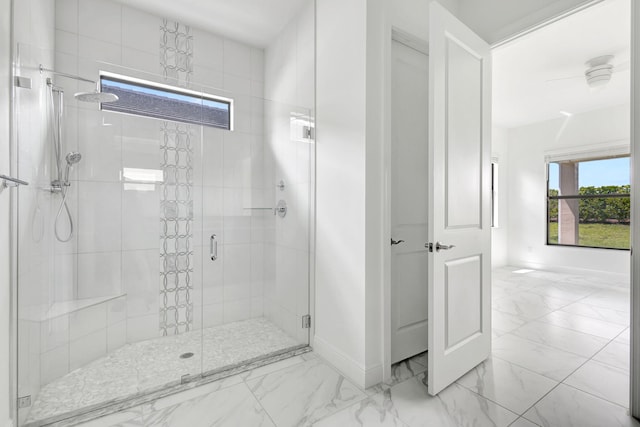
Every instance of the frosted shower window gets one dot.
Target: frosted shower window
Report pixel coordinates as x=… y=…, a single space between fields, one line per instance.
x=160 y=101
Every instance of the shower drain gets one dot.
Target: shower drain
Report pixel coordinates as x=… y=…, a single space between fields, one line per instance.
x=186 y=355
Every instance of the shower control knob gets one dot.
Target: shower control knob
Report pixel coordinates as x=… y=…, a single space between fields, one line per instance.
x=280 y=209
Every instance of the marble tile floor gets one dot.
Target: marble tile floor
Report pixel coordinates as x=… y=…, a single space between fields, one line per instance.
x=154 y=363
x=566 y=366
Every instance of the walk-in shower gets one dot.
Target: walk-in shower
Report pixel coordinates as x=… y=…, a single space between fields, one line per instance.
x=186 y=134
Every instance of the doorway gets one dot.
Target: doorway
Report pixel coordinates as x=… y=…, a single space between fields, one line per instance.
x=409 y=178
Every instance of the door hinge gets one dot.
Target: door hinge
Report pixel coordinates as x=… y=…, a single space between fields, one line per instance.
x=306 y=321
x=23 y=82
x=24 y=402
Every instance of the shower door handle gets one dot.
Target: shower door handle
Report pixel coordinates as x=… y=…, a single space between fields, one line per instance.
x=213 y=247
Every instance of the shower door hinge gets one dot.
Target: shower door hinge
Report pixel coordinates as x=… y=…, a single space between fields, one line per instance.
x=23 y=82
x=306 y=321
x=24 y=402
x=307 y=132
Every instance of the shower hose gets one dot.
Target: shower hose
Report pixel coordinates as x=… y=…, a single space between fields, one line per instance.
x=63 y=205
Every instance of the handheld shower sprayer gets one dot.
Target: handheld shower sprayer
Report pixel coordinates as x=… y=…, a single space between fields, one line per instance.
x=72 y=158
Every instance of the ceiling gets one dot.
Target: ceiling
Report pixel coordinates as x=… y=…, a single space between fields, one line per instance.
x=522 y=93
x=255 y=22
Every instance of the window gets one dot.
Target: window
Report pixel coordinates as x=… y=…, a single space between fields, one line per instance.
x=160 y=101
x=588 y=202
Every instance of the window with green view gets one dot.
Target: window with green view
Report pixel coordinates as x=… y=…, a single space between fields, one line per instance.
x=588 y=203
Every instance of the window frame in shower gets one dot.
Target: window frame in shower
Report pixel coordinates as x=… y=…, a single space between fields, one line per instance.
x=169 y=90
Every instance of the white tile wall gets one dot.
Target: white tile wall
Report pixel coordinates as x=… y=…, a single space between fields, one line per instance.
x=140 y=210
x=54 y=333
x=140 y=31
x=86 y=321
x=99 y=274
x=100 y=217
x=87 y=348
x=116 y=336
x=141 y=281
x=100 y=142
x=67 y=15
x=100 y=20
x=54 y=364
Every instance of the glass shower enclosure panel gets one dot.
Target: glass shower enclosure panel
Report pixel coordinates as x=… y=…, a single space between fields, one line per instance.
x=153 y=252
x=109 y=289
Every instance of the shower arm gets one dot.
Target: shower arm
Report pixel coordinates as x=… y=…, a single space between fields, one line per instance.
x=60 y=73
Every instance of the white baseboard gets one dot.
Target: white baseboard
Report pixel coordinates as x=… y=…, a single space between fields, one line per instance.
x=568 y=270
x=362 y=377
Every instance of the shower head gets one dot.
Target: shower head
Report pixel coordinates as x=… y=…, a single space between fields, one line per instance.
x=73 y=157
x=96 y=96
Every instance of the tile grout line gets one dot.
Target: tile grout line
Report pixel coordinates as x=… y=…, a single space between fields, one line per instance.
x=574 y=371
x=259 y=402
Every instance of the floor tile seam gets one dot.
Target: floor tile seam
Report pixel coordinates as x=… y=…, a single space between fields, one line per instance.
x=620 y=334
x=575 y=330
x=539 y=400
x=594 y=318
x=489 y=399
x=249 y=378
x=547 y=346
x=602 y=307
x=330 y=366
x=260 y=404
x=593 y=395
x=527 y=369
x=609 y=364
x=561 y=349
x=544 y=294
x=522 y=417
x=520 y=317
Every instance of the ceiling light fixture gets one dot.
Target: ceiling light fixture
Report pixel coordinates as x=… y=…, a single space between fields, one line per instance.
x=599 y=71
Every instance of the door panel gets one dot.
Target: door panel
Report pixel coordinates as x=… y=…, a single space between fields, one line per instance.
x=409 y=175
x=459 y=331
x=464 y=135
x=463 y=294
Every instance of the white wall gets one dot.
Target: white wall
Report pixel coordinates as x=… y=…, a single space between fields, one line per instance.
x=527 y=189
x=5 y=284
x=352 y=123
x=495 y=20
x=500 y=234
x=340 y=186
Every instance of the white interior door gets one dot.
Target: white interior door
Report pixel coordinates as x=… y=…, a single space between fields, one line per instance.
x=459 y=199
x=409 y=177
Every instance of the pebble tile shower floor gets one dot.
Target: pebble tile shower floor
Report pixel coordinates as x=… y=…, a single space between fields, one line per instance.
x=147 y=364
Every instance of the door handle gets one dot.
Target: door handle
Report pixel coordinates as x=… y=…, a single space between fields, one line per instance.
x=440 y=246
x=396 y=242
x=213 y=247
